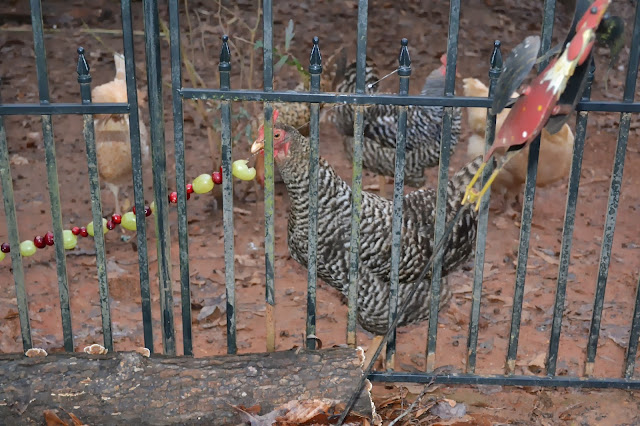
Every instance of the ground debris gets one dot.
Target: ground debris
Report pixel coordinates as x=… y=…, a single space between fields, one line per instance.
x=300 y=412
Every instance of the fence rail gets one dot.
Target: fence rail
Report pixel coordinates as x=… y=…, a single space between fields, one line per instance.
x=226 y=95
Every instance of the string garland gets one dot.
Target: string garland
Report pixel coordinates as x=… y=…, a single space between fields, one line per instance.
x=200 y=185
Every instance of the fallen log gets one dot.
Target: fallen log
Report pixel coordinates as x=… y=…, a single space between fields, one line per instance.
x=124 y=387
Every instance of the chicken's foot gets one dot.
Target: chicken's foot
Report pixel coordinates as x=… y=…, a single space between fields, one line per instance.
x=471 y=195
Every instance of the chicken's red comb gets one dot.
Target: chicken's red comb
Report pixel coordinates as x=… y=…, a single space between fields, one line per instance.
x=273 y=120
x=443 y=60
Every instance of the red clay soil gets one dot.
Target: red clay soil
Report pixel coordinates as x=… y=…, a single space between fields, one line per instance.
x=426 y=29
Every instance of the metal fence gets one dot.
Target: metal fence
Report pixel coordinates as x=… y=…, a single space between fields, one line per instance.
x=226 y=96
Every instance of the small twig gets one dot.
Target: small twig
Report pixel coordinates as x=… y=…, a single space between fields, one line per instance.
x=418 y=399
x=186 y=12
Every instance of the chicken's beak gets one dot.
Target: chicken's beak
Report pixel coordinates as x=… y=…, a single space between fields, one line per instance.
x=258 y=145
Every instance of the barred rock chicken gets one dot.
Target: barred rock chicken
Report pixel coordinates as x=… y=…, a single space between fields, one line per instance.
x=556 y=151
x=113 y=144
x=424 y=127
x=291 y=152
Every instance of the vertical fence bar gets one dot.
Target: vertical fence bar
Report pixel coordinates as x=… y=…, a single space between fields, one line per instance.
x=178 y=138
x=227 y=199
x=632 y=349
x=136 y=162
x=567 y=231
x=315 y=69
x=527 y=207
x=159 y=160
x=483 y=219
x=14 y=239
x=614 y=198
x=356 y=181
x=404 y=72
x=443 y=178
x=269 y=199
x=52 y=173
x=84 y=78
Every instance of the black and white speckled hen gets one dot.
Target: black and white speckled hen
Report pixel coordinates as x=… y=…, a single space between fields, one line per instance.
x=424 y=126
x=291 y=151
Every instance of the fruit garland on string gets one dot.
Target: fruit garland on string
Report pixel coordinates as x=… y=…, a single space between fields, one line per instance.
x=200 y=185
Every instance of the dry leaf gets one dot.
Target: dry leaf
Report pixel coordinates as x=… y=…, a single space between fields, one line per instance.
x=536 y=365
x=96 y=349
x=144 y=352
x=18 y=160
x=317 y=339
x=242 y=212
x=36 y=353
x=52 y=419
x=247 y=260
x=446 y=411
x=76 y=420
x=542 y=255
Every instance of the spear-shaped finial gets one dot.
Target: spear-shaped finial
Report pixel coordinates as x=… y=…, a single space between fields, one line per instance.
x=404 y=70
x=83 y=67
x=496 y=55
x=315 y=61
x=225 y=55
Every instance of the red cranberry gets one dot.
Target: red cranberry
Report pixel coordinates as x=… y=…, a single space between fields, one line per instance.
x=173 y=197
x=84 y=232
x=147 y=211
x=189 y=188
x=39 y=242
x=217 y=178
x=110 y=225
x=48 y=238
x=116 y=218
x=5 y=248
x=75 y=230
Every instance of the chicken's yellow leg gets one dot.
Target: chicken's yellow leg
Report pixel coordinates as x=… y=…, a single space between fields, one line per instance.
x=477 y=197
x=469 y=194
x=472 y=196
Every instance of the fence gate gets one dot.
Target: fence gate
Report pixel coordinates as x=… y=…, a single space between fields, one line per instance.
x=226 y=95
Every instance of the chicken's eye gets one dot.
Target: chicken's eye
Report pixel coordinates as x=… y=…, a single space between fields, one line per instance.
x=276 y=135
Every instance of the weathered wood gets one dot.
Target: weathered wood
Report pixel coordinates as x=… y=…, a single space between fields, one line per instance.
x=125 y=387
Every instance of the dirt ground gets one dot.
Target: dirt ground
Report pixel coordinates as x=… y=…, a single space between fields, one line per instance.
x=335 y=23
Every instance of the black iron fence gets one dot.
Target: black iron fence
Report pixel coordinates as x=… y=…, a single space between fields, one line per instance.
x=314 y=97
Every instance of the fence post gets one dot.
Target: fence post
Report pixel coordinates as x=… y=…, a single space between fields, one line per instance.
x=227 y=199
x=315 y=69
x=567 y=231
x=84 y=78
x=159 y=161
x=136 y=165
x=483 y=218
x=404 y=72
x=443 y=179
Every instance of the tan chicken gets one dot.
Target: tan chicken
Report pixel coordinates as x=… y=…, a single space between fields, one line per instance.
x=113 y=144
x=556 y=151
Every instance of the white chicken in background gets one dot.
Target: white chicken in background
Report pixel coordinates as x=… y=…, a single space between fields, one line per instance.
x=556 y=151
x=113 y=144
